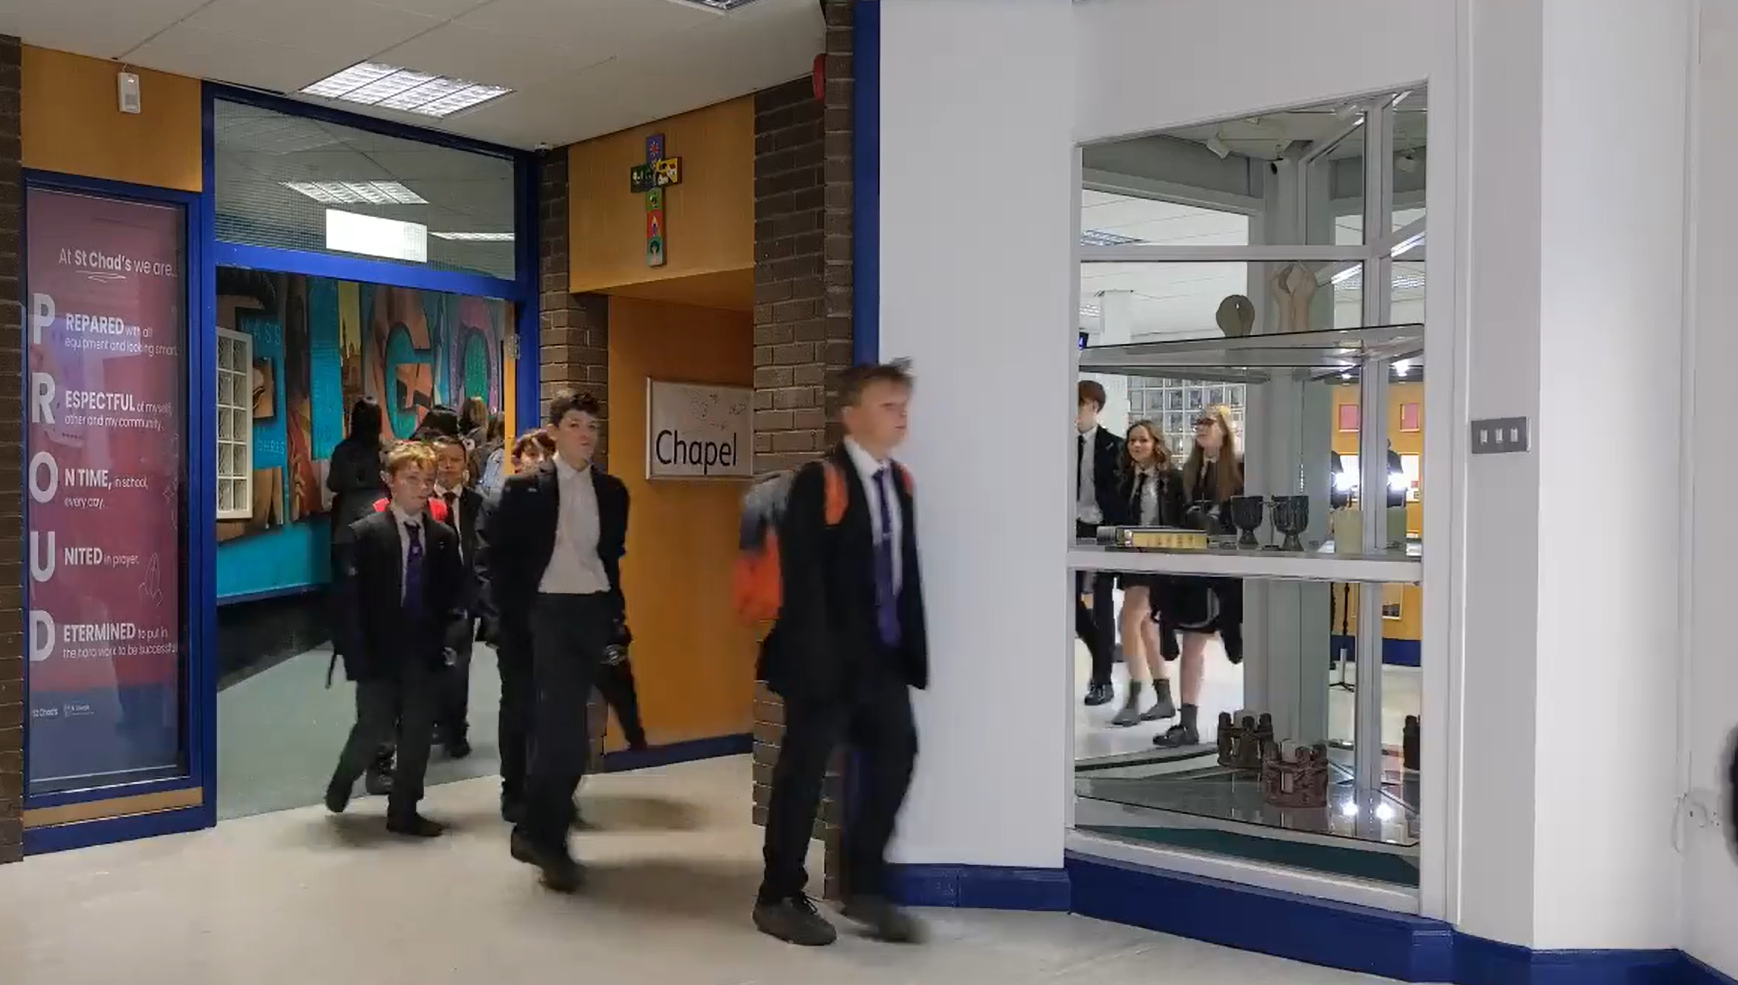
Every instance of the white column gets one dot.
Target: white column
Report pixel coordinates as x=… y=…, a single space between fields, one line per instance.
x=1570 y=577
x=984 y=317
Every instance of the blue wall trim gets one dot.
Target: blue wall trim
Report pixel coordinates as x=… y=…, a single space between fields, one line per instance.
x=866 y=183
x=1286 y=925
x=527 y=305
x=621 y=761
x=1395 y=653
x=385 y=272
x=986 y=887
x=65 y=837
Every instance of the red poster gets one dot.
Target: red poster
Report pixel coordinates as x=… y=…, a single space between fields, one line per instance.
x=105 y=325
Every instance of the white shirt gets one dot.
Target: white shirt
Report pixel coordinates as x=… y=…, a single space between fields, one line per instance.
x=1086 y=493
x=405 y=522
x=574 y=567
x=867 y=469
x=453 y=507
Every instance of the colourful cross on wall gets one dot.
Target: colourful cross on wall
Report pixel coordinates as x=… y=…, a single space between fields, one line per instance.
x=651 y=178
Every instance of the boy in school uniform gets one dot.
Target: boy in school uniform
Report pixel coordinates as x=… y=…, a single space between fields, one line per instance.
x=400 y=589
x=464 y=513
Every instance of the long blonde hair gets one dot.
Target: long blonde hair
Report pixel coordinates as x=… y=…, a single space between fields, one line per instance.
x=1228 y=475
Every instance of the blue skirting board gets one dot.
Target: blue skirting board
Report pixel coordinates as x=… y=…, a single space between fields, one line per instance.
x=1320 y=932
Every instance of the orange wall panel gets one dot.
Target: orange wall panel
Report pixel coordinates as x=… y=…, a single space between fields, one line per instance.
x=693 y=659
x=709 y=217
x=71 y=122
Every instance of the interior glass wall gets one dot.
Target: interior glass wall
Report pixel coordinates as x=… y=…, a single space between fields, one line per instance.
x=1265 y=273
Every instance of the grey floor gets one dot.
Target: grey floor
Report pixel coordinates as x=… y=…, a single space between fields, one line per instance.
x=279 y=732
x=299 y=896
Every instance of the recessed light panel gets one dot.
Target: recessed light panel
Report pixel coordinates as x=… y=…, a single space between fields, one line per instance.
x=391 y=87
x=357 y=192
x=475 y=237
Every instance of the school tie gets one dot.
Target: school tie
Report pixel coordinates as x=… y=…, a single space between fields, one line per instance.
x=452 y=501
x=886 y=597
x=413 y=566
x=1137 y=508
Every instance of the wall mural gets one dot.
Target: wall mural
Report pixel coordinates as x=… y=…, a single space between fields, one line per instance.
x=319 y=346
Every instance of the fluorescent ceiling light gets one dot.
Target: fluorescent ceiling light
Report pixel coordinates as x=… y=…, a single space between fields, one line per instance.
x=393 y=239
x=475 y=237
x=391 y=87
x=357 y=192
x=1099 y=237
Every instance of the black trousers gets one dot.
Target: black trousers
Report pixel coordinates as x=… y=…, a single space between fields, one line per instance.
x=404 y=702
x=1096 y=628
x=568 y=635
x=455 y=705
x=518 y=705
x=874 y=716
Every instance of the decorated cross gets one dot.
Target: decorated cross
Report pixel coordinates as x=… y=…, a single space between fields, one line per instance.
x=651 y=178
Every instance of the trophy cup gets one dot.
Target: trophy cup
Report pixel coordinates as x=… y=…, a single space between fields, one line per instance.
x=1291 y=515
x=1246 y=512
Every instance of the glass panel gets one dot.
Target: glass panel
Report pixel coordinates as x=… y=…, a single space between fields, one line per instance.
x=1111 y=219
x=278 y=175
x=1408 y=132
x=107 y=672
x=1296 y=648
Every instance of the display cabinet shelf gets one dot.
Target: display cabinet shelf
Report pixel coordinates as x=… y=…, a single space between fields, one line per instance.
x=1255 y=358
x=1322 y=564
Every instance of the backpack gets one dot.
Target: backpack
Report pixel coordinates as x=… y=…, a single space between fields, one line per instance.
x=756 y=589
x=494 y=473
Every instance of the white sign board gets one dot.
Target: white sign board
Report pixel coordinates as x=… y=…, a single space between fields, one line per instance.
x=699 y=431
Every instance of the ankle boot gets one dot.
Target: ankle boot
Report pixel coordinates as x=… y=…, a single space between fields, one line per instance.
x=1131 y=707
x=1164 y=708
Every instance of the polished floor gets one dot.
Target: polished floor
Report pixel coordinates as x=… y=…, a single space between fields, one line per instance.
x=296 y=897
x=279 y=732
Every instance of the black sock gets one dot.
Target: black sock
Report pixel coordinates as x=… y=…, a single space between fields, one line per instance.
x=1188 y=719
x=1163 y=688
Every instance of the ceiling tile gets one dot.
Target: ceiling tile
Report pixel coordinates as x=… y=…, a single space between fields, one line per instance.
x=444 y=10
x=610 y=26
x=348 y=30
x=90 y=27
x=488 y=57
x=225 y=58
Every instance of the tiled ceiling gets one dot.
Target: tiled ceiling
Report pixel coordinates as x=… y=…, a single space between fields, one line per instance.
x=579 y=68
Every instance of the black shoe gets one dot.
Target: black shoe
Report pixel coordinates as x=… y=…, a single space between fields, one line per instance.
x=560 y=872
x=1177 y=736
x=794 y=921
x=338 y=796
x=458 y=747
x=512 y=810
x=1099 y=694
x=884 y=921
x=414 y=825
x=378 y=780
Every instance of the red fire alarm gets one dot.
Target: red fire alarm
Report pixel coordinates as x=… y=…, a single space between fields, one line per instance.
x=819 y=76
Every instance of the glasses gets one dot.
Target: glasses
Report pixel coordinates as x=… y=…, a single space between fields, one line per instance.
x=1206 y=422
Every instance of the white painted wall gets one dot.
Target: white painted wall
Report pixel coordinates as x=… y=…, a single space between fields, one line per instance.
x=1711 y=688
x=1610 y=322
x=977 y=288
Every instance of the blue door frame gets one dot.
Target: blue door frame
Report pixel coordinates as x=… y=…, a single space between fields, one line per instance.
x=199 y=549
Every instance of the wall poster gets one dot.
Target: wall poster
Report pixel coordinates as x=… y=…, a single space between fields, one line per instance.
x=105 y=323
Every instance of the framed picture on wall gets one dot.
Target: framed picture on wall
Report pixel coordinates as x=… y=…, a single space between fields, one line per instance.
x=1411 y=418
x=1348 y=417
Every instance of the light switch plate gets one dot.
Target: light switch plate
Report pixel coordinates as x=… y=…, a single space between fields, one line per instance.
x=1500 y=436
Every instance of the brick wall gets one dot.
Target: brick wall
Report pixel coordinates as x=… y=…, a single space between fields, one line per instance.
x=573 y=341
x=802 y=320
x=11 y=472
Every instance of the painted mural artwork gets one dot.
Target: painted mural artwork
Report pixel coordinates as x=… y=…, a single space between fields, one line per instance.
x=319 y=346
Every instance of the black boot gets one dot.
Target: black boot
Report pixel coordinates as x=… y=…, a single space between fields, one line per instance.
x=794 y=921
x=1131 y=707
x=1184 y=733
x=1165 y=707
x=378 y=780
x=1099 y=694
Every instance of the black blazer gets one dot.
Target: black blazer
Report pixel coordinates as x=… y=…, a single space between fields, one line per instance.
x=826 y=631
x=517 y=538
x=471 y=506
x=378 y=635
x=354 y=479
x=1106 y=470
x=1172 y=500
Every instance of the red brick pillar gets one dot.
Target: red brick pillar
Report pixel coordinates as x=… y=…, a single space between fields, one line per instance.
x=573 y=340
x=11 y=468
x=802 y=322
